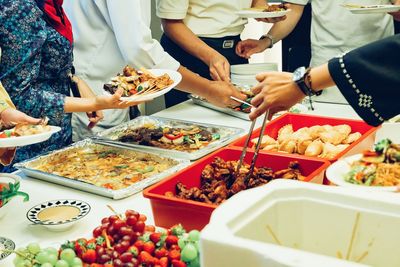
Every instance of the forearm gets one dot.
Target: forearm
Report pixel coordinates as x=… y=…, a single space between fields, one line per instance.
x=177 y=31
x=193 y=83
x=256 y=3
x=75 y=104
x=283 y=28
x=321 y=78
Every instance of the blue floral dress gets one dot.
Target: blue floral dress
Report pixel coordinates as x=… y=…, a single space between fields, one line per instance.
x=34 y=69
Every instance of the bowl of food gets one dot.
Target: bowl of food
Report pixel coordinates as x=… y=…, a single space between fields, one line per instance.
x=377 y=169
x=58 y=215
x=9 y=188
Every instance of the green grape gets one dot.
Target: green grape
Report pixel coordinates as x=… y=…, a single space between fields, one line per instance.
x=189 y=252
x=61 y=263
x=181 y=243
x=51 y=250
x=33 y=248
x=197 y=245
x=52 y=259
x=67 y=254
x=22 y=251
x=24 y=263
x=42 y=257
x=76 y=262
x=194 y=263
x=17 y=260
x=194 y=235
x=47 y=265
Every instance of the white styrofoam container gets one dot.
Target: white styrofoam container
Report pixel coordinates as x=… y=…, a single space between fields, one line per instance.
x=312 y=222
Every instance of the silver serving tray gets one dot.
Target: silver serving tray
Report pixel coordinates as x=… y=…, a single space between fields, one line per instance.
x=110 y=136
x=199 y=101
x=28 y=168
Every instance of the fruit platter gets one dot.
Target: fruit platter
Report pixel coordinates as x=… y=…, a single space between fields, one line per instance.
x=120 y=240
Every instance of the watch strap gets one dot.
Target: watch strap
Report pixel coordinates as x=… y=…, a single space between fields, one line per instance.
x=270 y=37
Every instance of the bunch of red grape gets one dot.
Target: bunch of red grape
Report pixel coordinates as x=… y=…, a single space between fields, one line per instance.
x=126 y=241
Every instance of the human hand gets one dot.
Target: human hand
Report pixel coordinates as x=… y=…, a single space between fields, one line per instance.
x=276 y=92
x=10 y=117
x=249 y=47
x=94 y=118
x=219 y=67
x=221 y=93
x=114 y=101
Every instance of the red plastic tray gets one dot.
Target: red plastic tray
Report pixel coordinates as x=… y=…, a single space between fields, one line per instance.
x=366 y=141
x=195 y=215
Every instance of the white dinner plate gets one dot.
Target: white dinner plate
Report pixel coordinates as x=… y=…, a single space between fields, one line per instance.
x=371 y=9
x=261 y=14
x=28 y=139
x=174 y=75
x=337 y=171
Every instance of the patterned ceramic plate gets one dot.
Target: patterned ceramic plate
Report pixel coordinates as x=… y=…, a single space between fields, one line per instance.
x=6 y=244
x=56 y=212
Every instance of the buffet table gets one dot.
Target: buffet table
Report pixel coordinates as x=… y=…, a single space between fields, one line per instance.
x=16 y=227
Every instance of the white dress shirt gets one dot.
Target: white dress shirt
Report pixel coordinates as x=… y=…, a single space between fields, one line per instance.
x=210 y=18
x=109 y=34
x=335 y=30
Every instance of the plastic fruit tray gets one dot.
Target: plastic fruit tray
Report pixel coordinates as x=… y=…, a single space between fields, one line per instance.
x=195 y=215
x=366 y=141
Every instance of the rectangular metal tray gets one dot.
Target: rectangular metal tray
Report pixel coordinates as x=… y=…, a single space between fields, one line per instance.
x=110 y=136
x=28 y=167
x=238 y=114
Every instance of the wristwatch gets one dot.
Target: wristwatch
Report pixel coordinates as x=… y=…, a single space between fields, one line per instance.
x=301 y=76
x=270 y=37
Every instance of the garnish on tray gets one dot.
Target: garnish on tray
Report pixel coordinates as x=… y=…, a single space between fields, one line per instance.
x=9 y=191
x=378 y=167
x=181 y=139
x=219 y=181
x=138 y=82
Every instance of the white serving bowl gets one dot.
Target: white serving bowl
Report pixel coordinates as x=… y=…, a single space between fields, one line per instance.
x=58 y=215
x=8 y=178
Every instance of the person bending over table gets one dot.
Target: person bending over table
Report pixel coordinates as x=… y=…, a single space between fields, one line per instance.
x=368 y=77
x=334 y=31
x=110 y=34
x=36 y=41
x=202 y=35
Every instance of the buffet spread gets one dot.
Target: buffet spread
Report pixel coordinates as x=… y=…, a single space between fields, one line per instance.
x=154 y=154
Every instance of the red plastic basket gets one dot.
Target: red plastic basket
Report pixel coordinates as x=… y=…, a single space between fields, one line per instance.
x=366 y=141
x=195 y=215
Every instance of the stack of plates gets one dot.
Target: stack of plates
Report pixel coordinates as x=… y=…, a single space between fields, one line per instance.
x=245 y=74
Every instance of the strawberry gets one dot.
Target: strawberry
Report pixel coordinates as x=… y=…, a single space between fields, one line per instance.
x=149 y=247
x=178 y=263
x=164 y=262
x=89 y=256
x=155 y=237
x=174 y=255
x=161 y=252
x=145 y=258
x=139 y=244
x=171 y=240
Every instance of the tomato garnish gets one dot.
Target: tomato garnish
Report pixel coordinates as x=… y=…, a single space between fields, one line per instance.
x=172 y=136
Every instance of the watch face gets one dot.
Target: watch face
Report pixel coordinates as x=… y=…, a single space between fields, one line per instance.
x=299 y=73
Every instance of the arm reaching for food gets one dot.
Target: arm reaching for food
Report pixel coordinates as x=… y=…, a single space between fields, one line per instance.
x=396 y=15
x=356 y=74
x=280 y=30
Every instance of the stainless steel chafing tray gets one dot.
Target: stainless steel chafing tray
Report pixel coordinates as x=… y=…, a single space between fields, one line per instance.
x=29 y=167
x=111 y=136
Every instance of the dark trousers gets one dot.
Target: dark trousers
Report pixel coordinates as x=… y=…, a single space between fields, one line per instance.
x=194 y=64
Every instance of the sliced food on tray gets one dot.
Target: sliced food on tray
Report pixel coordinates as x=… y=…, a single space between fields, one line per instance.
x=379 y=167
x=181 y=139
x=102 y=166
x=220 y=181
x=324 y=141
x=138 y=82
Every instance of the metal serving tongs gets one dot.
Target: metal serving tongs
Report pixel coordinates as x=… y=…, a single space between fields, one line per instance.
x=244 y=151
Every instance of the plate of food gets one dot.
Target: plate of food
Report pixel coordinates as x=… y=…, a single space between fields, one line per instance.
x=271 y=11
x=370 y=9
x=143 y=85
x=26 y=134
x=377 y=169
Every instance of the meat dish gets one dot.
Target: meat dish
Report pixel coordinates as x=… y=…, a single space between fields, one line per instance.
x=219 y=180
